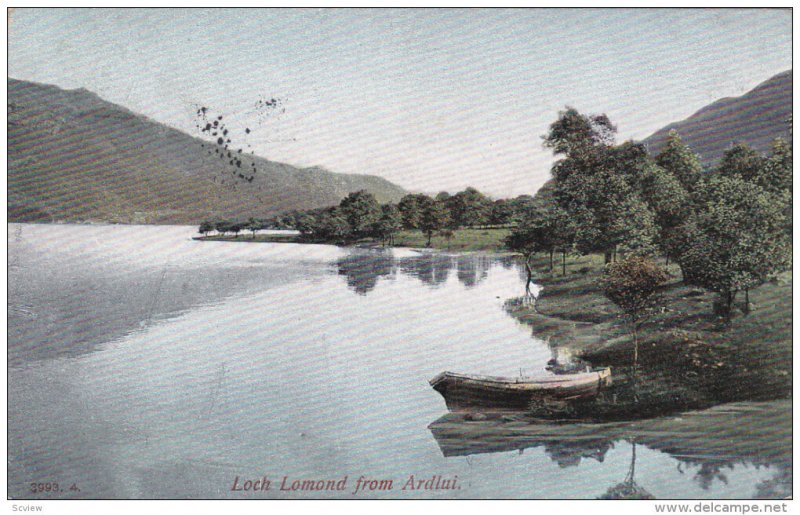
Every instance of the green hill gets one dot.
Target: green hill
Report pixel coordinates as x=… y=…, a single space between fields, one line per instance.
x=756 y=118
x=75 y=157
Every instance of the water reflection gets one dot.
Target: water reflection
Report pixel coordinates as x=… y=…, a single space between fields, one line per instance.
x=363 y=268
x=628 y=488
x=707 y=445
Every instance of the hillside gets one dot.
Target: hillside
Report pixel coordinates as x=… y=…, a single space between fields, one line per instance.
x=75 y=157
x=755 y=118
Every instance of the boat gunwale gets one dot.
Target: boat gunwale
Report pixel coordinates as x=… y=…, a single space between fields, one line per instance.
x=555 y=381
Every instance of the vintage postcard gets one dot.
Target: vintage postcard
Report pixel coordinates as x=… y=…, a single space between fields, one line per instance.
x=332 y=253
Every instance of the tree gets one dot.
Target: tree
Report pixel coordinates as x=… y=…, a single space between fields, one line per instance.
x=222 y=227
x=598 y=184
x=523 y=239
x=411 y=209
x=331 y=224
x=469 y=208
x=679 y=161
x=434 y=218
x=442 y=196
x=605 y=208
x=253 y=226
x=206 y=227
x=305 y=223
x=736 y=240
x=634 y=231
x=548 y=229
x=388 y=224
x=776 y=172
x=362 y=211
x=670 y=204
x=742 y=162
x=631 y=284
x=574 y=133
x=501 y=213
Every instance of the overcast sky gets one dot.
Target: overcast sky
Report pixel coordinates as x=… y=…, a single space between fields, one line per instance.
x=430 y=99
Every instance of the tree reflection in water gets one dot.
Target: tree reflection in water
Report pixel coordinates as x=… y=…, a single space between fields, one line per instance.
x=710 y=442
x=362 y=268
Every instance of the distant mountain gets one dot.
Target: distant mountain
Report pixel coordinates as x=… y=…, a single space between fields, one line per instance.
x=75 y=157
x=755 y=118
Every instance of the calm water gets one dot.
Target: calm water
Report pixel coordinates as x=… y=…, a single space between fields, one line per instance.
x=143 y=364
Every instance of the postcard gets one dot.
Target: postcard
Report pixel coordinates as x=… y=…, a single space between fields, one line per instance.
x=401 y=254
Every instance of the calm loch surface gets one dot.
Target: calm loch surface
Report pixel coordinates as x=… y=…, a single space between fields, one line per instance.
x=143 y=364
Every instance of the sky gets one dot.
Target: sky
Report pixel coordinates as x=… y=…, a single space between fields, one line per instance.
x=431 y=99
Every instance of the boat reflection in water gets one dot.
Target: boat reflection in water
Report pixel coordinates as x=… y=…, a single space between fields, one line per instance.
x=711 y=441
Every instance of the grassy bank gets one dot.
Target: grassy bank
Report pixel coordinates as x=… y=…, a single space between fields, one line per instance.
x=688 y=357
x=463 y=240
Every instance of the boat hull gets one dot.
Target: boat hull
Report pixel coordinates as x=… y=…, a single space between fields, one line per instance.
x=469 y=392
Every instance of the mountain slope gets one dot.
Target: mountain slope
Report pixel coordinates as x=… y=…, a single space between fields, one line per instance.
x=755 y=118
x=75 y=157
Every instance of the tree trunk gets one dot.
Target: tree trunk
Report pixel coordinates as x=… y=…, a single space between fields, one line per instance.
x=564 y=262
x=430 y=235
x=529 y=270
x=635 y=333
x=551 y=260
x=729 y=298
x=607 y=257
x=666 y=263
x=747 y=300
x=615 y=254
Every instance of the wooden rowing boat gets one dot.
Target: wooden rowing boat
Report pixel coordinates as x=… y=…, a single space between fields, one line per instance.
x=463 y=392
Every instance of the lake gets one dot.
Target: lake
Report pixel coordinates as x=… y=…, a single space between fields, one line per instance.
x=144 y=364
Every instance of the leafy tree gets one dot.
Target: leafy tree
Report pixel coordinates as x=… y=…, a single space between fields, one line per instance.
x=736 y=239
x=332 y=225
x=678 y=160
x=389 y=223
x=434 y=217
x=502 y=212
x=469 y=208
x=632 y=284
x=670 y=204
x=634 y=231
x=442 y=196
x=235 y=228
x=742 y=162
x=599 y=184
x=602 y=205
x=575 y=133
x=776 y=173
x=362 y=211
x=206 y=227
x=222 y=227
x=548 y=229
x=305 y=223
x=521 y=206
x=253 y=226
x=410 y=207
x=524 y=239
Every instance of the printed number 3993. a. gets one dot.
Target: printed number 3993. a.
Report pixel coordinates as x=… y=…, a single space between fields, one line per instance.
x=51 y=487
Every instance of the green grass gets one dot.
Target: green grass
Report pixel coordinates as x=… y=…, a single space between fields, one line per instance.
x=685 y=350
x=464 y=240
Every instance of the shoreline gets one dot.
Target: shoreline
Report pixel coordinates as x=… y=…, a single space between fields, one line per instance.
x=688 y=359
x=489 y=241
